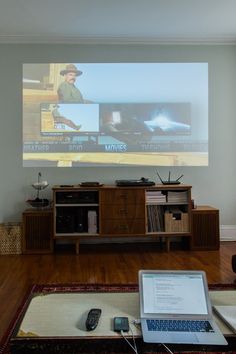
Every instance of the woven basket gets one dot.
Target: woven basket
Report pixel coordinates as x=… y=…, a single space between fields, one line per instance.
x=173 y=225
x=10 y=238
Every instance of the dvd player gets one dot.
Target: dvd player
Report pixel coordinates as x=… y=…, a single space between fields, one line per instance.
x=134 y=182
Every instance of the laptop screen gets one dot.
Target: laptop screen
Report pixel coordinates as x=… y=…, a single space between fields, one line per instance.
x=174 y=293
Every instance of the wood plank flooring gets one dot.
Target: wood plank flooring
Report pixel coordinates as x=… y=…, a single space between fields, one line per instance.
x=110 y=264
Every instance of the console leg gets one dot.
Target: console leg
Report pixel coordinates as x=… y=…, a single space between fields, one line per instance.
x=77 y=247
x=167 y=244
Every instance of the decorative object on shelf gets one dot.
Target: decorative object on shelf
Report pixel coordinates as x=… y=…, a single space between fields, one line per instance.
x=39 y=186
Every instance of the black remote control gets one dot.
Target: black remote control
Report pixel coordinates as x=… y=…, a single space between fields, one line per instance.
x=92 y=319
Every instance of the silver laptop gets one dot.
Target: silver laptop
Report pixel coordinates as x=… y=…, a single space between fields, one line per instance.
x=175 y=308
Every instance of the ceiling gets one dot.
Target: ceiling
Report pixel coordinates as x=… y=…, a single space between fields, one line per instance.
x=118 y=21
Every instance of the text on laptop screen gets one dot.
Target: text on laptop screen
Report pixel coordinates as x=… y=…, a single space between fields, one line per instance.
x=174 y=294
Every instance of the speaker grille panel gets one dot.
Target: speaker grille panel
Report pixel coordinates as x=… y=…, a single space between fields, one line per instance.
x=37 y=231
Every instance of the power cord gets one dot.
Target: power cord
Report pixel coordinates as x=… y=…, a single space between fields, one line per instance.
x=137 y=323
x=133 y=346
x=167 y=348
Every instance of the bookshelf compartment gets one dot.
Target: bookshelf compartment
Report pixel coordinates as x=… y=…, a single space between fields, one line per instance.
x=76 y=219
x=77 y=197
x=76 y=212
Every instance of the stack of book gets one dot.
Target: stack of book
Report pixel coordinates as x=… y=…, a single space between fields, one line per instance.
x=155 y=197
x=177 y=197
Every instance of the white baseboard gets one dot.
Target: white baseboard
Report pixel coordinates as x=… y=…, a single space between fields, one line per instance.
x=228 y=233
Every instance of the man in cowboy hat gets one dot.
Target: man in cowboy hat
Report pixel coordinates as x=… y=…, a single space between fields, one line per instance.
x=67 y=91
x=59 y=119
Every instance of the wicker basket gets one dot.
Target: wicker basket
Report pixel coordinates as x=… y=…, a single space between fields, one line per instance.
x=10 y=238
x=172 y=224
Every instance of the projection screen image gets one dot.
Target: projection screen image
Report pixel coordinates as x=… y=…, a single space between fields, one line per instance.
x=115 y=114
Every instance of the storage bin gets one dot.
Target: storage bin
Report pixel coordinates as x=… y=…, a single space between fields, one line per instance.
x=176 y=222
x=10 y=238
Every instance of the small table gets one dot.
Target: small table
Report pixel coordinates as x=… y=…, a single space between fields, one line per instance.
x=54 y=321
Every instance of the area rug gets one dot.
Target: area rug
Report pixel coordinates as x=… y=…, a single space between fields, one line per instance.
x=94 y=346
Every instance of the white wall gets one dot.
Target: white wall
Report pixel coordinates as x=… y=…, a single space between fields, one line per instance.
x=214 y=185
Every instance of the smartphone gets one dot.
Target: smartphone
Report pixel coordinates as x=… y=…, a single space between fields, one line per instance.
x=121 y=324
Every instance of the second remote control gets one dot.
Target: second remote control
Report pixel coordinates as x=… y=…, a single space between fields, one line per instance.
x=92 y=319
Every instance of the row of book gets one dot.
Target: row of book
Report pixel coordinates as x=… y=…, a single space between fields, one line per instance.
x=155 y=218
x=159 y=197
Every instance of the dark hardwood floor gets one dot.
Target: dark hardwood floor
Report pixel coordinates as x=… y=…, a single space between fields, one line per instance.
x=110 y=264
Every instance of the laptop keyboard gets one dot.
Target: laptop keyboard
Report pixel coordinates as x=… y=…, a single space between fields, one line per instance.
x=179 y=326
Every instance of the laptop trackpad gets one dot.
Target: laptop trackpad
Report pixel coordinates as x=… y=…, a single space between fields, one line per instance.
x=184 y=337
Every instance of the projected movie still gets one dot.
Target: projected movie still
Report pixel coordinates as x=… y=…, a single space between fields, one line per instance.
x=71 y=118
x=115 y=114
x=146 y=118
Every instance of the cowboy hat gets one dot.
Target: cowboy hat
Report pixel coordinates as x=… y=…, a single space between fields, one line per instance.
x=71 y=68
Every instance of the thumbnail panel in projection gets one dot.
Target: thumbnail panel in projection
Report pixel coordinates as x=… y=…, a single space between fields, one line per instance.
x=111 y=114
